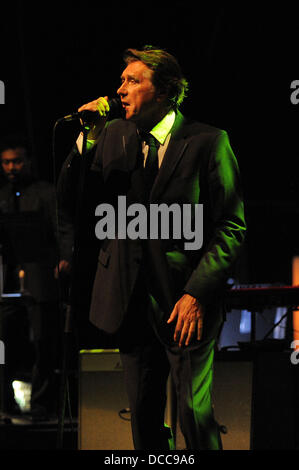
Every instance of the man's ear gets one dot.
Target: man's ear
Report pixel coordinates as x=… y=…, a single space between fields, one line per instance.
x=162 y=95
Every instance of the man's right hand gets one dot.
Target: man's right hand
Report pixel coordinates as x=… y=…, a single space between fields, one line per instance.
x=99 y=106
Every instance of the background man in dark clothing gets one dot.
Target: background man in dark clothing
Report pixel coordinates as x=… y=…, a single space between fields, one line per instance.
x=30 y=254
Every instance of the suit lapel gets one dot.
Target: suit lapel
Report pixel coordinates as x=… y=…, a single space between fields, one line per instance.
x=134 y=165
x=131 y=149
x=175 y=150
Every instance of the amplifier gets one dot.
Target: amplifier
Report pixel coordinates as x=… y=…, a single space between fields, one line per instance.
x=103 y=422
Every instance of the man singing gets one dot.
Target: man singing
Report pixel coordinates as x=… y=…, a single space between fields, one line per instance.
x=160 y=300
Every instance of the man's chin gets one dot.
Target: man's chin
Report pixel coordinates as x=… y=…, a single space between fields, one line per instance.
x=12 y=178
x=130 y=115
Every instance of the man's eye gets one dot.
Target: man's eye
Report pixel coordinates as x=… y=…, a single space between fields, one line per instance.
x=129 y=80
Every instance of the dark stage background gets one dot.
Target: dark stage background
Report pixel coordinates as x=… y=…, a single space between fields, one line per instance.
x=239 y=61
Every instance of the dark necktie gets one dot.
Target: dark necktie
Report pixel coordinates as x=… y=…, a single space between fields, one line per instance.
x=151 y=164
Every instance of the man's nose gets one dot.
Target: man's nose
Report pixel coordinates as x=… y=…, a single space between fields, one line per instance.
x=122 y=90
x=11 y=166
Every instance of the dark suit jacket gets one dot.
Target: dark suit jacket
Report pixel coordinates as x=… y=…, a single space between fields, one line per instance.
x=198 y=167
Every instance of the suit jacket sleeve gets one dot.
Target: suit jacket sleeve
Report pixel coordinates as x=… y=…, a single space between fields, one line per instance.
x=67 y=199
x=226 y=210
x=67 y=188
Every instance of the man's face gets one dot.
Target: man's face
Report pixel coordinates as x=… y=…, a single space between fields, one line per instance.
x=14 y=163
x=140 y=99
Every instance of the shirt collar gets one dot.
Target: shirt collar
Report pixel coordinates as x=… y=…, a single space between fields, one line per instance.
x=163 y=128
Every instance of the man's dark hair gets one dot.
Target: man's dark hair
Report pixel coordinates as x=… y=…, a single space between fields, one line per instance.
x=15 y=141
x=167 y=75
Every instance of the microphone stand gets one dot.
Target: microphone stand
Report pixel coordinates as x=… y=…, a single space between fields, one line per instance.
x=70 y=307
x=115 y=111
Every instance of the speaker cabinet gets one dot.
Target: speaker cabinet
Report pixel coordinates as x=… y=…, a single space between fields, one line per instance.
x=232 y=398
x=102 y=397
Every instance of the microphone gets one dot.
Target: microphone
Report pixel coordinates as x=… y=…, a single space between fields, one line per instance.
x=116 y=111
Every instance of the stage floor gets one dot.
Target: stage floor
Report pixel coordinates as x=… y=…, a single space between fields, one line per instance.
x=20 y=433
